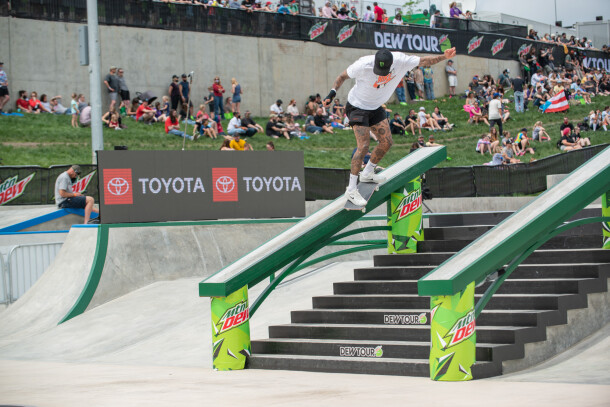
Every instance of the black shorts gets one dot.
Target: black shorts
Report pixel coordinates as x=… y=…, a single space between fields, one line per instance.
x=125 y=95
x=78 y=202
x=3 y=91
x=366 y=118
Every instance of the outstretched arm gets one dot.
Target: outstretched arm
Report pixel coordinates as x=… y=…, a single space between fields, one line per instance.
x=427 y=61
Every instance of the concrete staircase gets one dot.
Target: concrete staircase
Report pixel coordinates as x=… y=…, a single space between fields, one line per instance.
x=381 y=308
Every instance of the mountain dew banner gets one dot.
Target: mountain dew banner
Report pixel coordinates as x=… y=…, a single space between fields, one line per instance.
x=606 y=225
x=453 y=337
x=405 y=218
x=231 y=330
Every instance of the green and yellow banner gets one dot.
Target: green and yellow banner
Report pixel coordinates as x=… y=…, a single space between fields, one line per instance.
x=453 y=336
x=405 y=219
x=231 y=330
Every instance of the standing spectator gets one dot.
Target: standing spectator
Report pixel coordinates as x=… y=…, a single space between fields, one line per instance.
x=353 y=14
x=123 y=89
x=4 y=93
x=145 y=114
x=368 y=16
x=454 y=11
x=218 y=90
x=276 y=108
x=185 y=91
x=409 y=79
x=400 y=93
x=74 y=110
x=495 y=112
x=174 y=92
x=65 y=198
x=112 y=84
x=327 y=11
x=428 y=81
x=378 y=11
x=434 y=22
x=451 y=77
x=398 y=18
x=172 y=126
x=418 y=76
x=236 y=98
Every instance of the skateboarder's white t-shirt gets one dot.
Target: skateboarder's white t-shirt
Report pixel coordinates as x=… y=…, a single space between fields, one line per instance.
x=370 y=90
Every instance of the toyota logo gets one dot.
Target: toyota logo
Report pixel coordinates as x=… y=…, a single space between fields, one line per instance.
x=225 y=184
x=118 y=186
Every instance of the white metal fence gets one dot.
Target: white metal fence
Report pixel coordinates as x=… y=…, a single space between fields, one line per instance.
x=23 y=266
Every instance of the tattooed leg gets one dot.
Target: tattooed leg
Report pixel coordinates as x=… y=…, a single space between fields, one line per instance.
x=363 y=141
x=382 y=131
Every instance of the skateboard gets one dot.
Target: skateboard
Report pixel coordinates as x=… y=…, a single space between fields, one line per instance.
x=366 y=189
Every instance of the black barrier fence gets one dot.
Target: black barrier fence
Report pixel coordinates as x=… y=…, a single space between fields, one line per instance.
x=328 y=183
x=482 y=26
x=477 y=38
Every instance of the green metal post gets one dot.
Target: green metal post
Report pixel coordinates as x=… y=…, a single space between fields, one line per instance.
x=606 y=225
x=405 y=218
x=453 y=336
x=231 y=330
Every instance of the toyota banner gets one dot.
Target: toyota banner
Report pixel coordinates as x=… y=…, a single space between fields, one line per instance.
x=153 y=186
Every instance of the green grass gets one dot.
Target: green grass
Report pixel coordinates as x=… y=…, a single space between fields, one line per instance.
x=49 y=139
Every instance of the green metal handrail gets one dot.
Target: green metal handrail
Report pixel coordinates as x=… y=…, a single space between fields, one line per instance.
x=299 y=263
x=504 y=273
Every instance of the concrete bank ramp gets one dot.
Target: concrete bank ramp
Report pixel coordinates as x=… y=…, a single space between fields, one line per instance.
x=166 y=323
x=55 y=292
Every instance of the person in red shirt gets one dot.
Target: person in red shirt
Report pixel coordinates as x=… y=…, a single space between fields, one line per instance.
x=172 y=126
x=23 y=104
x=144 y=113
x=218 y=91
x=35 y=104
x=378 y=13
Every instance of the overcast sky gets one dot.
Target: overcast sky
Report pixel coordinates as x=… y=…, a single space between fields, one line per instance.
x=568 y=11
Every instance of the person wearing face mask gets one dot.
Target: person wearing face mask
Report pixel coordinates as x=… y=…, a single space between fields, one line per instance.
x=218 y=91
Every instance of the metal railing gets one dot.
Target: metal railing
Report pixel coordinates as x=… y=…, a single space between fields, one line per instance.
x=24 y=265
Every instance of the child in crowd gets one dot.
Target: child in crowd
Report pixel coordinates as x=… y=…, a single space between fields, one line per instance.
x=522 y=143
x=113 y=123
x=75 y=111
x=226 y=146
x=497 y=158
x=484 y=145
x=493 y=138
x=540 y=133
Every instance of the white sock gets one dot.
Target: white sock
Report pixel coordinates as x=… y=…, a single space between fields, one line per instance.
x=353 y=182
x=369 y=169
x=605 y=127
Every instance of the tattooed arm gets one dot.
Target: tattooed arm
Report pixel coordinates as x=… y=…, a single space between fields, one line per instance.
x=428 y=61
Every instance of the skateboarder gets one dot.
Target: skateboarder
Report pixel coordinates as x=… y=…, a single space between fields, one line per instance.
x=376 y=78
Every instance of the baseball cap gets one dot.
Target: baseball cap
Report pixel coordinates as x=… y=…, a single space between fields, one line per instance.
x=383 y=62
x=496 y=95
x=451 y=60
x=524 y=129
x=112 y=68
x=279 y=101
x=76 y=169
x=422 y=108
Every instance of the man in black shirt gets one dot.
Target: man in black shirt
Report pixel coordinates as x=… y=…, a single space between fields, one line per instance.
x=252 y=127
x=397 y=126
x=517 y=85
x=566 y=124
x=320 y=122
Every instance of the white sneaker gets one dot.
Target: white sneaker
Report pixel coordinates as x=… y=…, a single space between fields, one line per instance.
x=372 y=177
x=355 y=197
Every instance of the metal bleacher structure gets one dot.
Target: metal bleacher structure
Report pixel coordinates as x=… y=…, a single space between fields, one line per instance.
x=531 y=268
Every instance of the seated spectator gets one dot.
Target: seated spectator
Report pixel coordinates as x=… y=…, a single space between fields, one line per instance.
x=442 y=121
x=508 y=153
x=310 y=125
x=580 y=93
x=431 y=142
x=85 y=116
x=160 y=116
x=338 y=109
x=539 y=133
x=397 y=126
x=476 y=114
x=293 y=110
x=504 y=78
x=320 y=121
x=497 y=158
x=276 y=130
x=239 y=144
x=251 y=127
x=594 y=120
x=172 y=125
x=522 y=143
x=113 y=123
x=235 y=127
x=57 y=107
x=145 y=114
x=65 y=198
x=605 y=115
x=45 y=104
x=35 y=104
x=413 y=122
x=276 y=108
x=483 y=145
x=106 y=117
x=294 y=129
x=81 y=102
x=567 y=141
x=270 y=146
x=22 y=103
x=426 y=121
x=335 y=123
x=415 y=146
x=493 y=138
x=132 y=110
x=226 y=145
x=582 y=141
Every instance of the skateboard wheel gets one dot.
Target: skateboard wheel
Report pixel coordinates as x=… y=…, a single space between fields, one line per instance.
x=377 y=188
x=363 y=210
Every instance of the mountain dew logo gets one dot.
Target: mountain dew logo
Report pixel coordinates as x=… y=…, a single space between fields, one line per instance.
x=524 y=49
x=233 y=317
x=474 y=43
x=461 y=330
x=409 y=204
x=316 y=30
x=444 y=42
x=498 y=46
x=11 y=188
x=345 y=33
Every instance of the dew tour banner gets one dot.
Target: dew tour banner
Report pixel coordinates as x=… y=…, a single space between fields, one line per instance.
x=153 y=186
x=453 y=336
x=230 y=330
x=405 y=219
x=34 y=185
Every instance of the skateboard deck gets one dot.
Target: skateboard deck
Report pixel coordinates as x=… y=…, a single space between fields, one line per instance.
x=366 y=189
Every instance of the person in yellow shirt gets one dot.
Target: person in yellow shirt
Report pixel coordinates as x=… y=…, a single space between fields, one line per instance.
x=240 y=145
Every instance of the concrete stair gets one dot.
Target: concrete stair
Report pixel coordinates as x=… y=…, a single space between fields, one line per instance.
x=380 y=309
